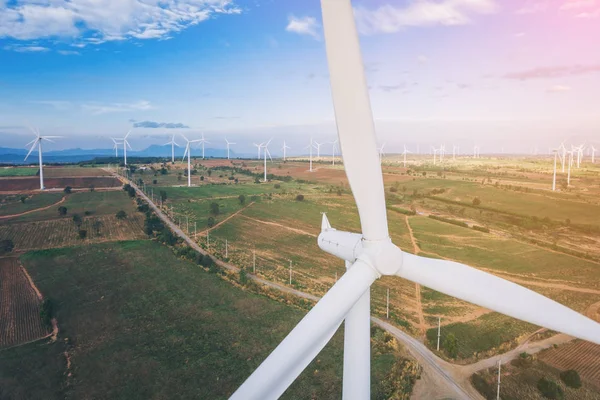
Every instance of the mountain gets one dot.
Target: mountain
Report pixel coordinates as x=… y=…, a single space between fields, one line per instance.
x=16 y=156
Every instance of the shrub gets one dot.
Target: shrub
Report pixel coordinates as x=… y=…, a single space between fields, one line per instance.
x=277 y=186
x=214 y=208
x=97 y=225
x=62 y=210
x=154 y=181
x=449 y=221
x=210 y=222
x=163 y=196
x=77 y=220
x=243 y=276
x=300 y=197
x=202 y=177
x=68 y=190
x=451 y=345
x=488 y=391
x=23 y=198
x=6 y=246
x=46 y=312
x=242 y=199
x=476 y=201
x=571 y=378
x=121 y=214
x=550 y=389
x=82 y=234
x=92 y=188
x=393 y=189
x=481 y=229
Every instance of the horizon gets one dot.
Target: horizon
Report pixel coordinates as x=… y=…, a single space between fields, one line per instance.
x=454 y=72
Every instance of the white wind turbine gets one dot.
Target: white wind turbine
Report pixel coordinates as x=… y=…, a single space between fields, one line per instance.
x=125 y=145
x=116 y=147
x=228 y=144
x=434 y=154
x=333 y=147
x=188 y=154
x=454 y=151
x=318 y=147
x=370 y=255
x=310 y=147
x=381 y=153
x=173 y=144
x=258 y=149
x=404 y=154
x=266 y=153
x=38 y=142
x=284 y=148
x=203 y=142
x=563 y=158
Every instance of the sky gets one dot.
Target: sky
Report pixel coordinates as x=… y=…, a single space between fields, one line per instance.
x=510 y=74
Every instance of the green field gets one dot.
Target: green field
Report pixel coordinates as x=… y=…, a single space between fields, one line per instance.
x=12 y=204
x=96 y=203
x=18 y=171
x=138 y=323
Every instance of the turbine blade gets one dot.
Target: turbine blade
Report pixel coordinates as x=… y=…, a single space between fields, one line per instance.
x=30 y=150
x=306 y=340
x=489 y=291
x=52 y=137
x=354 y=117
x=269 y=154
x=46 y=139
x=128 y=145
x=127 y=134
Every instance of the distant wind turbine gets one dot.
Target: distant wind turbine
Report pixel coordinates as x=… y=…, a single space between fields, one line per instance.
x=258 y=149
x=404 y=154
x=266 y=153
x=173 y=144
x=228 y=144
x=125 y=145
x=203 y=142
x=318 y=147
x=38 y=142
x=333 y=147
x=310 y=147
x=116 y=147
x=284 y=148
x=381 y=153
x=188 y=153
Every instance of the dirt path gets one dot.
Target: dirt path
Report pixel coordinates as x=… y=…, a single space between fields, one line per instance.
x=295 y=230
x=416 y=250
x=225 y=220
x=36 y=210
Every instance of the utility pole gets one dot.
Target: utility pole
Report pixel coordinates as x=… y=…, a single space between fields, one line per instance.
x=439 y=332
x=290 y=272
x=498 y=393
x=387 y=305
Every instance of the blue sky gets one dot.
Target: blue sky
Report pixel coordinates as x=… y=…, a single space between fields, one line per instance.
x=511 y=74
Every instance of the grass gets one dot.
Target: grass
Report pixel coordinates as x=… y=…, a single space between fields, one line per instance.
x=12 y=204
x=138 y=323
x=18 y=171
x=97 y=202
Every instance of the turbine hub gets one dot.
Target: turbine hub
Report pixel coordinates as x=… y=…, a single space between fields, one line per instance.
x=382 y=255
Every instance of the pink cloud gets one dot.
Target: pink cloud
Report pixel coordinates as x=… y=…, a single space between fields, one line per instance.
x=553 y=72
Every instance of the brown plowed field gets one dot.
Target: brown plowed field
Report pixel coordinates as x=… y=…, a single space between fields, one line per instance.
x=32 y=183
x=20 y=320
x=59 y=172
x=582 y=356
x=63 y=232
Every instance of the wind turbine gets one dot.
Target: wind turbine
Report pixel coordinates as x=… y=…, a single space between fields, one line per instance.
x=188 y=154
x=203 y=142
x=266 y=152
x=228 y=144
x=173 y=144
x=258 y=149
x=564 y=155
x=125 y=145
x=116 y=147
x=38 y=142
x=333 y=146
x=284 y=148
x=310 y=147
x=404 y=154
x=381 y=153
x=434 y=154
x=370 y=255
x=570 y=153
x=318 y=147
x=554 y=176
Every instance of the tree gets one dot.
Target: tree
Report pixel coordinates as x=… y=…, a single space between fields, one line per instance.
x=23 y=198
x=451 y=345
x=68 y=190
x=571 y=378
x=121 y=214
x=82 y=234
x=214 y=208
x=97 y=225
x=209 y=172
x=242 y=199
x=257 y=180
x=179 y=176
x=77 y=220
x=300 y=197
x=550 y=389
x=163 y=196
x=62 y=211
x=476 y=201
x=6 y=246
x=243 y=276
x=154 y=182
x=211 y=222
x=92 y=188
x=202 y=178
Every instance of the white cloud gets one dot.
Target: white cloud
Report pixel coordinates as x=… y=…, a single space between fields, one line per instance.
x=303 y=26
x=96 y=21
x=27 y=49
x=519 y=34
x=389 y=18
x=589 y=15
x=578 y=4
x=559 y=89
x=57 y=104
x=533 y=8
x=69 y=52
x=99 y=108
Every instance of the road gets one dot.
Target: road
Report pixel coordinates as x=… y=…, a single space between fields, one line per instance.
x=440 y=379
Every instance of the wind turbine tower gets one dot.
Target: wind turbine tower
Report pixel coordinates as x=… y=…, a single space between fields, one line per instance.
x=381 y=153
x=38 y=142
x=266 y=153
x=125 y=145
x=310 y=148
x=333 y=146
x=284 y=148
x=228 y=144
x=116 y=147
x=554 y=176
x=404 y=154
x=188 y=154
x=173 y=144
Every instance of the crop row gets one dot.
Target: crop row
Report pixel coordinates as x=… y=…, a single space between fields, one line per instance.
x=581 y=356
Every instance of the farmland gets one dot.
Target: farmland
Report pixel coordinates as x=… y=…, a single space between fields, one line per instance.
x=20 y=320
x=33 y=183
x=17 y=204
x=581 y=356
x=111 y=306
x=18 y=171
